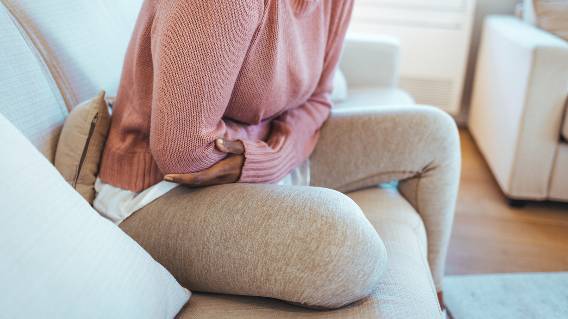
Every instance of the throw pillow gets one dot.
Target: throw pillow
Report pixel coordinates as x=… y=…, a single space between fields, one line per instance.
x=552 y=16
x=60 y=259
x=81 y=144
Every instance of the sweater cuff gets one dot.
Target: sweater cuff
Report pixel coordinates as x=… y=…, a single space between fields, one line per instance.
x=264 y=164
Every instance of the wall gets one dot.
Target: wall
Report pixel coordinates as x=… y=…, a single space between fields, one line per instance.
x=484 y=8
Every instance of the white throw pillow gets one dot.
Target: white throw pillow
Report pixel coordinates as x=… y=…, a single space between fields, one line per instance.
x=339 y=93
x=59 y=258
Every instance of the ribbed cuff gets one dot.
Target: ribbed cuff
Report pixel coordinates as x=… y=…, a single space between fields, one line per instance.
x=264 y=164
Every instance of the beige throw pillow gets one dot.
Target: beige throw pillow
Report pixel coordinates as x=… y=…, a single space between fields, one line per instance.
x=81 y=145
x=552 y=16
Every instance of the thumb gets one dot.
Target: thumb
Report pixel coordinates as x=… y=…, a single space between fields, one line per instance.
x=231 y=147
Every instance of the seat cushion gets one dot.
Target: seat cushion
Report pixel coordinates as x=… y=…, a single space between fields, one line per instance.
x=83 y=41
x=29 y=96
x=406 y=290
x=378 y=97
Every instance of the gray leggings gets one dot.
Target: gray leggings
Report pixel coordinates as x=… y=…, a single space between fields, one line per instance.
x=311 y=245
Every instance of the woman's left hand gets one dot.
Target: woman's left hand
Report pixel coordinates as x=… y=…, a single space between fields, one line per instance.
x=225 y=172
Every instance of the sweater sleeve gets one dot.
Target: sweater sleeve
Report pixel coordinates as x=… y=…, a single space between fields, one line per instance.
x=198 y=48
x=298 y=128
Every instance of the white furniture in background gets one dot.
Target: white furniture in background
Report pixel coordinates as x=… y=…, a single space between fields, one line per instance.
x=434 y=37
x=518 y=107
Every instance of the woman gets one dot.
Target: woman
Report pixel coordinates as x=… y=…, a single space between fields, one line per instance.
x=230 y=93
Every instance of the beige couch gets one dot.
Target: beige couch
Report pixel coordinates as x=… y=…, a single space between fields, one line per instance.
x=54 y=54
x=518 y=113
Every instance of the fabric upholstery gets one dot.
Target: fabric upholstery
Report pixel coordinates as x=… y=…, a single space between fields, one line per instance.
x=371 y=65
x=405 y=290
x=375 y=97
x=60 y=259
x=416 y=145
x=559 y=179
x=83 y=41
x=81 y=145
x=30 y=98
x=552 y=16
x=311 y=246
x=371 y=61
x=518 y=104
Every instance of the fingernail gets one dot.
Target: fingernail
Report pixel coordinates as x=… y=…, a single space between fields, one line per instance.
x=168 y=178
x=220 y=141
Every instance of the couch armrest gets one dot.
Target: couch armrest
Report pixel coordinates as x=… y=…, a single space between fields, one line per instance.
x=371 y=61
x=520 y=88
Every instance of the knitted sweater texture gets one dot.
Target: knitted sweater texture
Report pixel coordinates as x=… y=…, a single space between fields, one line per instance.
x=259 y=71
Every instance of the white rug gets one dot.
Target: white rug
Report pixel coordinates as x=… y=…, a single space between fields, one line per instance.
x=508 y=296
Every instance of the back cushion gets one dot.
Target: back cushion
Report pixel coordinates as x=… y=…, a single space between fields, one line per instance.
x=29 y=97
x=82 y=41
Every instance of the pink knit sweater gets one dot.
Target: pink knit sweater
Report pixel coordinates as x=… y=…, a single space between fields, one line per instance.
x=241 y=69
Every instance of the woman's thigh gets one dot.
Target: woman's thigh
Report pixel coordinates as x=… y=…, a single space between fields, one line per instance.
x=306 y=245
x=367 y=146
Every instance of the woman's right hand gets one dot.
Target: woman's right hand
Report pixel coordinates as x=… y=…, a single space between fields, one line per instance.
x=224 y=172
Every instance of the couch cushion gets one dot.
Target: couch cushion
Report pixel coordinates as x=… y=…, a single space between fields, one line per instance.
x=30 y=98
x=82 y=41
x=406 y=290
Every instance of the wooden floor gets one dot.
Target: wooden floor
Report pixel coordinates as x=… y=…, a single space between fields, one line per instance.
x=491 y=237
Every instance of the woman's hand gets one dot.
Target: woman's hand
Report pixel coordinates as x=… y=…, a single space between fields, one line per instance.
x=225 y=172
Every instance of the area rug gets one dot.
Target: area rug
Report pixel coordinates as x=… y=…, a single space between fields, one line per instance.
x=508 y=296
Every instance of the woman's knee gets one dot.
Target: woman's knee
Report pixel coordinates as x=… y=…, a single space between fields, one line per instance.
x=343 y=258
x=440 y=129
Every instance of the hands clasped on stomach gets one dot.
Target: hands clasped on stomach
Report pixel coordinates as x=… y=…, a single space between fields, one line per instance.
x=225 y=171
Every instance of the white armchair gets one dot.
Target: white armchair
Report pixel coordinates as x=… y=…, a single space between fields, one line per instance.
x=371 y=67
x=518 y=108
